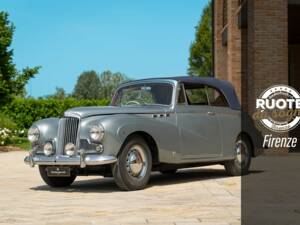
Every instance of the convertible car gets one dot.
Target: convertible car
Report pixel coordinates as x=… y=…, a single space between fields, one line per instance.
x=159 y=124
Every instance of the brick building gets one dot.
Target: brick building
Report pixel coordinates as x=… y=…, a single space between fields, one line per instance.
x=256 y=45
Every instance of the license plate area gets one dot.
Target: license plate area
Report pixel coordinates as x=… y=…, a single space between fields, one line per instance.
x=58 y=171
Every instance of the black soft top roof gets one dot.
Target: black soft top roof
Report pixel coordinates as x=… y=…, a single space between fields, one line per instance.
x=224 y=86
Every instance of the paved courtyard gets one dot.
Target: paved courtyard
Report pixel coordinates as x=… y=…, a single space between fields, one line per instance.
x=192 y=197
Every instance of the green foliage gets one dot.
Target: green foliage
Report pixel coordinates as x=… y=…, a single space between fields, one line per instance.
x=6 y=122
x=91 y=86
x=26 y=111
x=9 y=133
x=87 y=86
x=12 y=81
x=109 y=82
x=200 y=60
x=5 y=136
x=21 y=142
x=59 y=93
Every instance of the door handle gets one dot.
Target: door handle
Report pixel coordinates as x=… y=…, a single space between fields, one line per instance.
x=211 y=113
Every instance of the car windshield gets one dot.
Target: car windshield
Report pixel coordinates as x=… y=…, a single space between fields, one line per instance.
x=144 y=94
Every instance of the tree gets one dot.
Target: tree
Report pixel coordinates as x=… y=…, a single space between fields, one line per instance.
x=87 y=86
x=91 y=86
x=200 y=60
x=109 y=82
x=12 y=81
x=60 y=93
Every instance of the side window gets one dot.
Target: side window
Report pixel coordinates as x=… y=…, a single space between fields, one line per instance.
x=216 y=98
x=196 y=95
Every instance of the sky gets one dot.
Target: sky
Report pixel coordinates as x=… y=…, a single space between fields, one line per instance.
x=140 y=38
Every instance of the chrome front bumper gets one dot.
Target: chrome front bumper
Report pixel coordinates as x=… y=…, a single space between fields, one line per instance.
x=81 y=160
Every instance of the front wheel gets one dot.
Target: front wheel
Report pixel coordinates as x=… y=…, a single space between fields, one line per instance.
x=133 y=168
x=240 y=165
x=56 y=181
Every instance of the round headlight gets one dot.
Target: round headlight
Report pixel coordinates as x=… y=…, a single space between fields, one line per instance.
x=70 y=149
x=33 y=134
x=97 y=132
x=48 y=149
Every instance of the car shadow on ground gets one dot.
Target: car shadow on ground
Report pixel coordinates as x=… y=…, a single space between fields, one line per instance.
x=106 y=185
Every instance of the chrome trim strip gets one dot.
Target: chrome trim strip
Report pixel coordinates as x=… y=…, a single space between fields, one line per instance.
x=87 y=160
x=59 y=138
x=77 y=144
x=82 y=156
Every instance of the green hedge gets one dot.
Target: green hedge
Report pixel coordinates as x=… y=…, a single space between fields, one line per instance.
x=6 y=122
x=26 y=111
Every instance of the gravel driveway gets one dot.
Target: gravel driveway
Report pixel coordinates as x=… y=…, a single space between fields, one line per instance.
x=196 y=196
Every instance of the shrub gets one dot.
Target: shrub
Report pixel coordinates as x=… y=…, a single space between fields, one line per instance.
x=8 y=131
x=5 y=135
x=8 y=136
x=6 y=122
x=26 y=111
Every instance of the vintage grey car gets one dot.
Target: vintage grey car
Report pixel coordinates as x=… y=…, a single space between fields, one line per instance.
x=159 y=124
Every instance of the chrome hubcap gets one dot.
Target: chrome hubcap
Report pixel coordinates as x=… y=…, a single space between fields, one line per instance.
x=136 y=162
x=241 y=153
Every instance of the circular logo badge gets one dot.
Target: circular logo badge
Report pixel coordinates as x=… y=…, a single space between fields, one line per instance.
x=279 y=108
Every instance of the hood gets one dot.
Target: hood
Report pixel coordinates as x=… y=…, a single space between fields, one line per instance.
x=83 y=112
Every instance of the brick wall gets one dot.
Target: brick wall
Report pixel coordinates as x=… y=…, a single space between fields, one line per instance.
x=267 y=46
x=234 y=46
x=220 y=54
x=256 y=57
x=258 y=54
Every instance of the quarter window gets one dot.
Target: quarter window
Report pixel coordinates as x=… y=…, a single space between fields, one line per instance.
x=216 y=98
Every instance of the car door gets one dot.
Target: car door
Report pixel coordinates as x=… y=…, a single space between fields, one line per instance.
x=229 y=119
x=198 y=125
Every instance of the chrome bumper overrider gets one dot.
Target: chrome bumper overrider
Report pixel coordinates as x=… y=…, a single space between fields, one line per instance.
x=81 y=160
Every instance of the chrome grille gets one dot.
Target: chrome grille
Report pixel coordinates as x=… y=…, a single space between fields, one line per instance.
x=67 y=132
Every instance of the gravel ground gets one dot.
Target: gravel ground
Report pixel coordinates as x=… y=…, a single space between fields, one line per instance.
x=195 y=196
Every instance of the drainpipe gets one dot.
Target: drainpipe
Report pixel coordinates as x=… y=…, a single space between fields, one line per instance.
x=213 y=36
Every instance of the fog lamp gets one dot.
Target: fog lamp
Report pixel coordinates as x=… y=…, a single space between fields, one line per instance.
x=70 y=149
x=99 y=148
x=48 y=149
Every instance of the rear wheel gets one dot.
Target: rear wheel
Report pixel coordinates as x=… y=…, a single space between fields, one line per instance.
x=240 y=165
x=133 y=168
x=56 y=181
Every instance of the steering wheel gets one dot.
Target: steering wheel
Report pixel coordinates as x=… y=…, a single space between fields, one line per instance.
x=133 y=103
